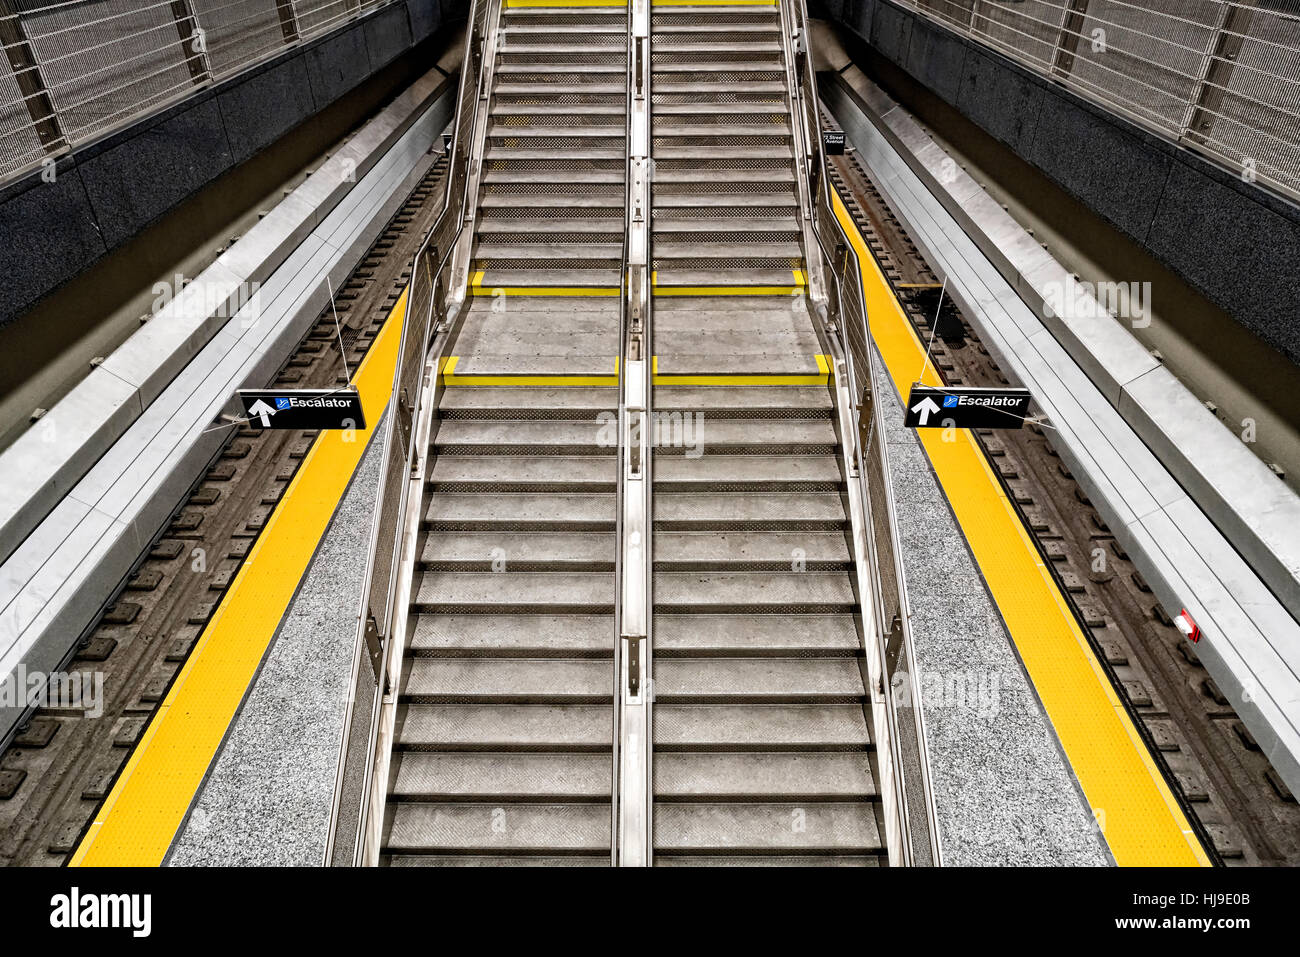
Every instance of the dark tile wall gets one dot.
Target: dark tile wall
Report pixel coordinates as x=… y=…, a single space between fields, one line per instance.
x=1236 y=242
x=107 y=192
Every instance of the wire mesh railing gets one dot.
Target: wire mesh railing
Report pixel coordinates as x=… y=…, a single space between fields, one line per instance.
x=1219 y=76
x=75 y=70
x=426 y=308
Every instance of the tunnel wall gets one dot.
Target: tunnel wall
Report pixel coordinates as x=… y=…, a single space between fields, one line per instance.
x=1235 y=242
x=107 y=192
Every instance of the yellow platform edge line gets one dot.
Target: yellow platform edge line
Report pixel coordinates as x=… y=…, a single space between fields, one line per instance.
x=1139 y=816
x=138 y=821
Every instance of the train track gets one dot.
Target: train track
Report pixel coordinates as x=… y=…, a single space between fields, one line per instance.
x=1241 y=808
x=61 y=764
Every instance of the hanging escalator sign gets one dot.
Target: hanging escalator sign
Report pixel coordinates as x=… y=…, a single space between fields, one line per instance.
x=303 y=408
x=833 y=141
x=932 y=407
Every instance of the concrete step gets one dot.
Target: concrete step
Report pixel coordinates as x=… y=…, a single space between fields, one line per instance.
x=668 y=127
x=503 y=778
x=765 y=45
x=791 y=511
x=504 y=727
x=717 y=153
x=526 y=402
x=725 y=21
x=747 y=473
x=532 y=860
x=761 y=401
x=776 y=551
x=525 y=202
x=759 y=681
x=513 y=636
x=525 y=134
x=719 y=435
x=574 y=179
x=519 y=829
x=760 y=727
x=777 y=201
x=705 y=177
x=560 y=279
x=792 y=776
x=720 y=109
x=559 y=592
x=578 y=65
x=705 y=61
x=730 y=829
x=568 y=251
x=669 y=276
x=506 y=436
x=717 y=86
x=558 y=154
x=521 y=511
x=523 y=44
x=749 y=636
x=597 y=227
x=507 y=681
x=662 y=859
x=540 y=88
x=667 y=222
x=789 y=592
x=617 y=110
x=701 y=249
x=502 y=552
x=524 y=473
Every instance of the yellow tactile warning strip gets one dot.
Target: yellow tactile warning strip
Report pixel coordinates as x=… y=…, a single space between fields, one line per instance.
x=566 y=3
x=1138 y=814
x=798 y=286
x=137 y=823
x=476 y=288
x=448 y=366
x=820 y=377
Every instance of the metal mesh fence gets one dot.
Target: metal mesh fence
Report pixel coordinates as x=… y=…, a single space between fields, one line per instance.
x=76 y=69
x=1218 y=76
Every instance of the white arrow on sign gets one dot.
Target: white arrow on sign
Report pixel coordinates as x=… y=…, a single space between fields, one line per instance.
x=925 y=408
x=264 y=412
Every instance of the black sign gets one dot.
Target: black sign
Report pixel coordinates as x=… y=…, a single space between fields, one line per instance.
x=833 y=141
x=932 y=407
x=303 y=408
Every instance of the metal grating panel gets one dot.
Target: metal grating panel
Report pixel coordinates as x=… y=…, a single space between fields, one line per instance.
x=1218 y=76
x=20 y=146
x=107 y=61
x=86 y=67
x=239 y=32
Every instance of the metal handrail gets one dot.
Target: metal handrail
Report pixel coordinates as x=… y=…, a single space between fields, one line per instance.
x=428 y=314
x=842 y=290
